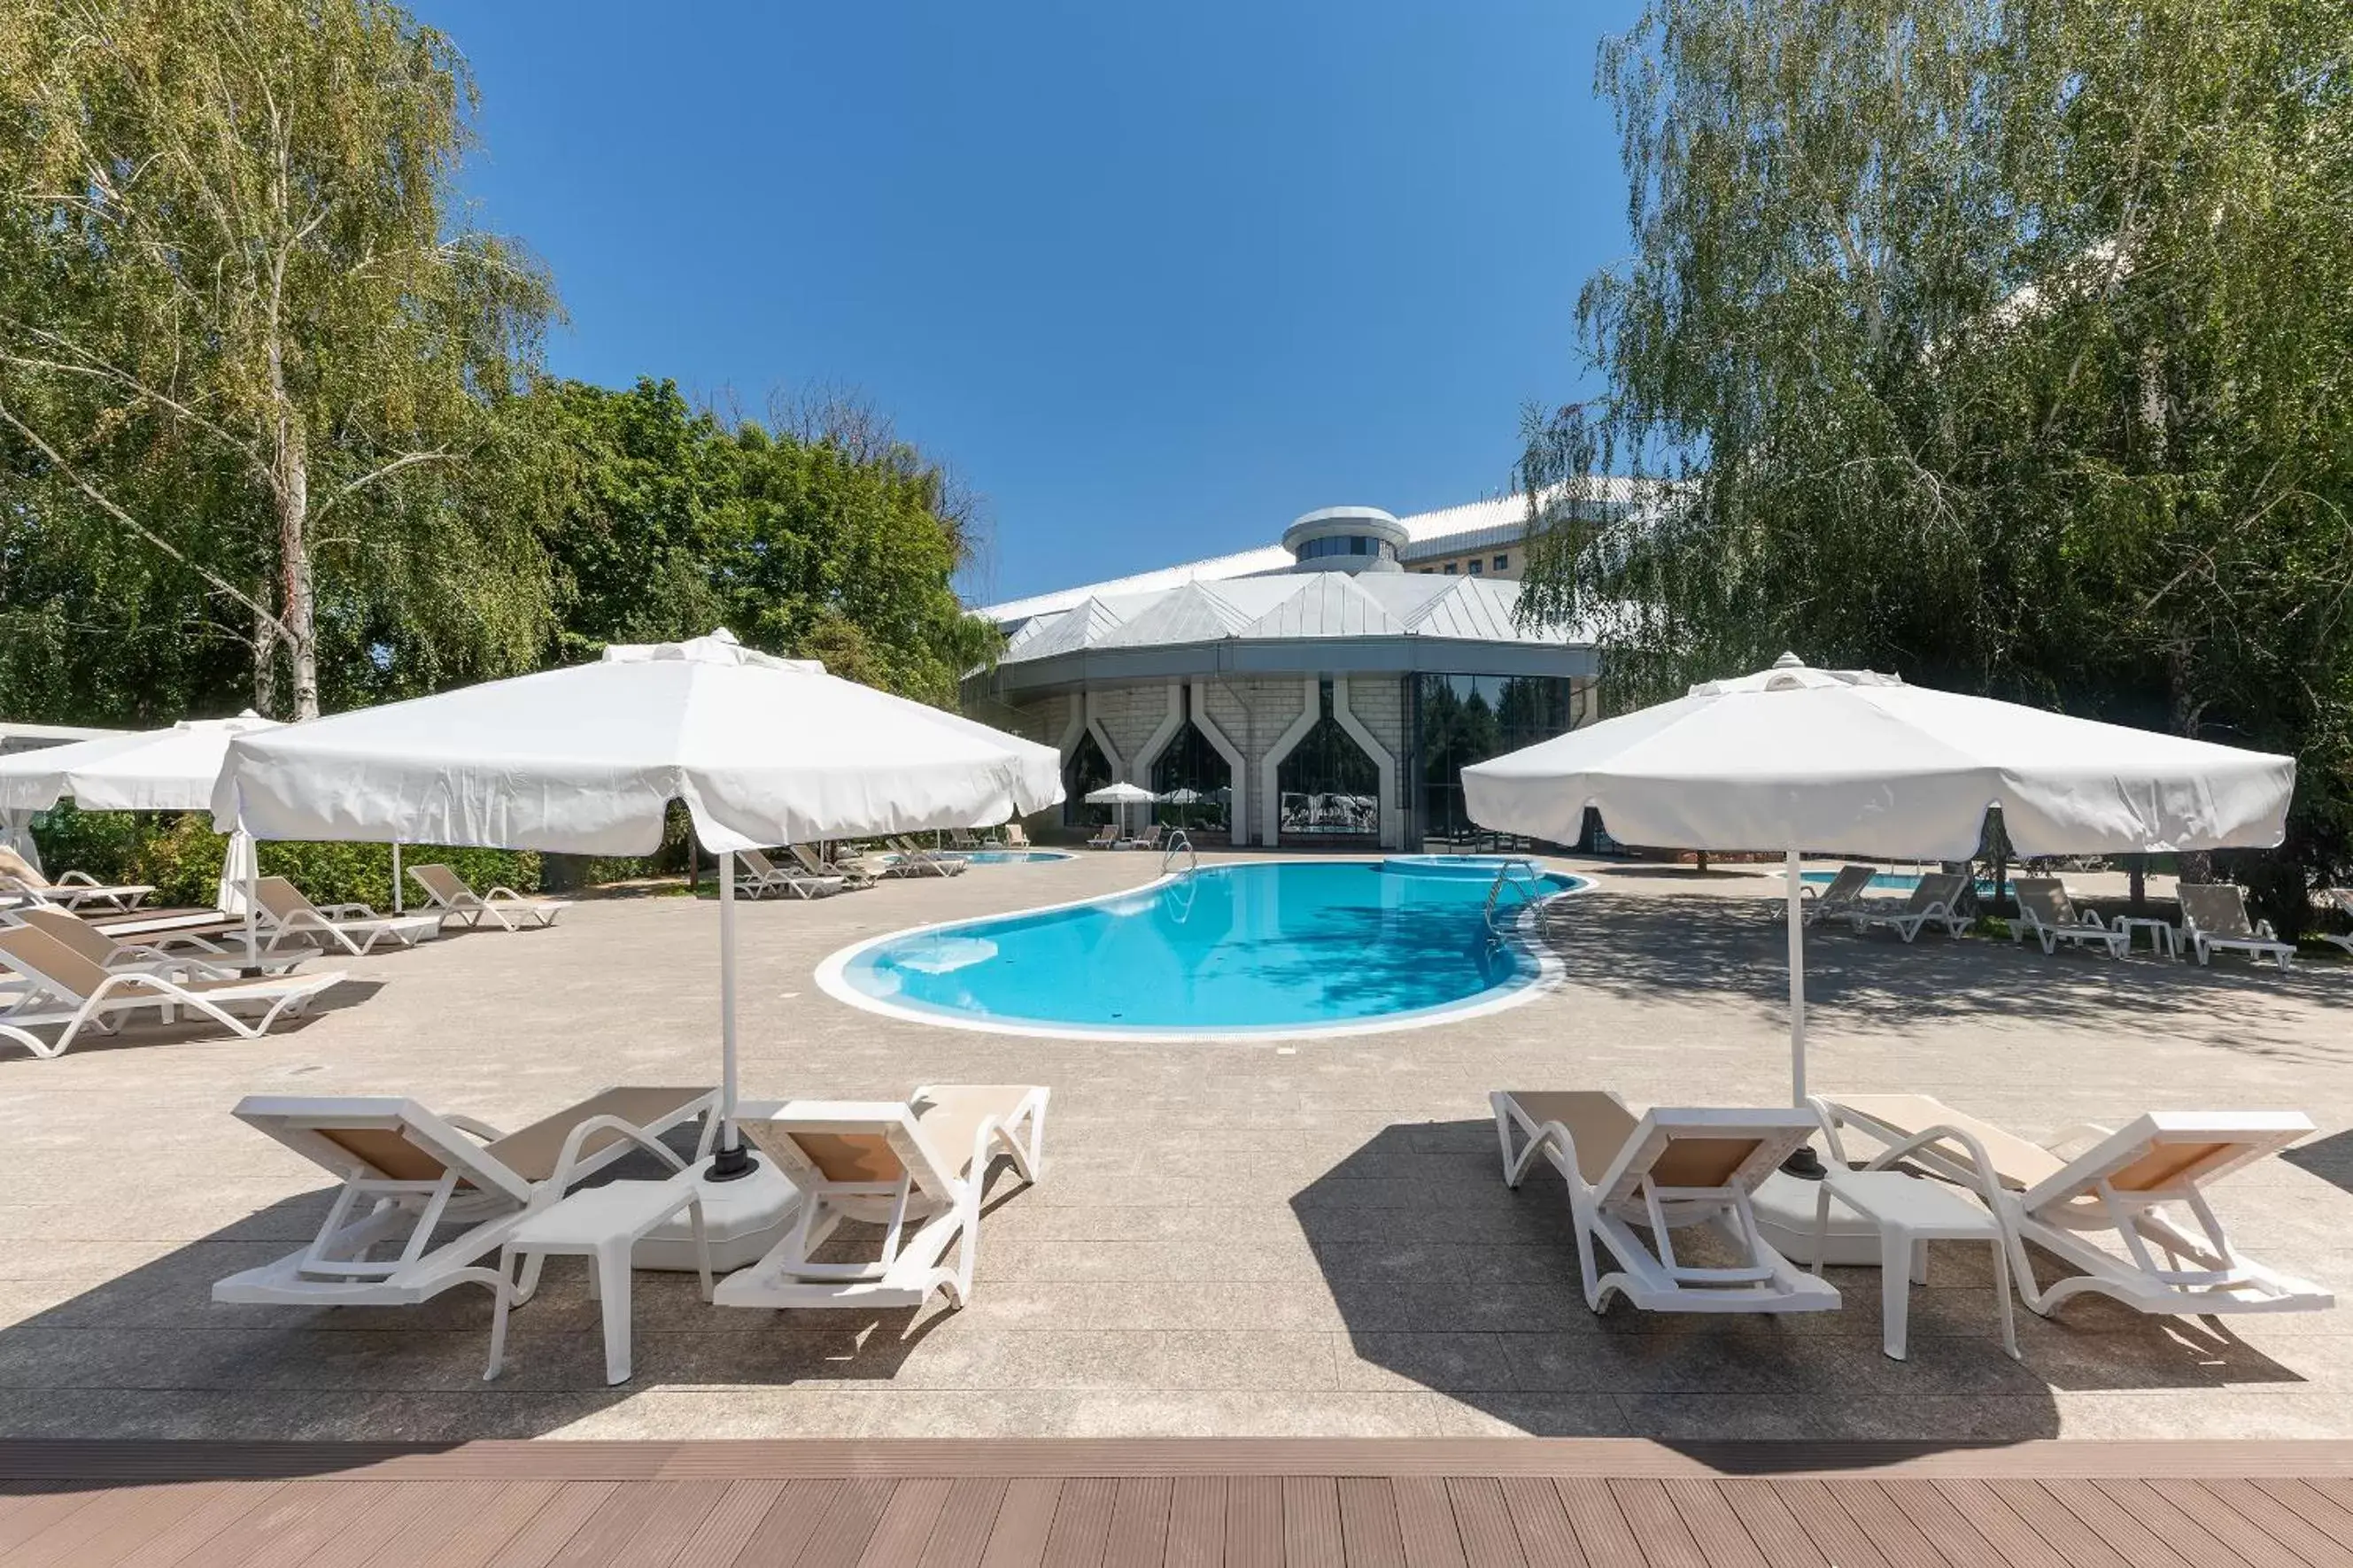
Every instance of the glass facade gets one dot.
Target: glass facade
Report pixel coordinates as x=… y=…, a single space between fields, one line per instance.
x=1189 y=763
x=1458 y=719
x=1329 y=788
x=1088 y=770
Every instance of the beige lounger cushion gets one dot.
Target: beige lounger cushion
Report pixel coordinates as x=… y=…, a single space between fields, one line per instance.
x=1602 y=1123
x=2018 y=1163
x=946 y=1119
x=383 y=1150
x=532 y=1152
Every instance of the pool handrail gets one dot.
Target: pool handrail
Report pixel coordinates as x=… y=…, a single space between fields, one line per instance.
x=1529 y=898
x=1177 y=840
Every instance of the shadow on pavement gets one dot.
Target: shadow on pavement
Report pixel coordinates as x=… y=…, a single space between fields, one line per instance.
x=1449 y=1280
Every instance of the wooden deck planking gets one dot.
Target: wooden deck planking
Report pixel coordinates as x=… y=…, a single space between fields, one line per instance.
x=683 y=1509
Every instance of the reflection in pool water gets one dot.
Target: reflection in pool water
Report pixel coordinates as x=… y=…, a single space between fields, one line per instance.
x=1270 y=947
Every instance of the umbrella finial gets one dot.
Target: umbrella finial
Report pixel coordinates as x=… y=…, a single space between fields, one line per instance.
x=1789 y=662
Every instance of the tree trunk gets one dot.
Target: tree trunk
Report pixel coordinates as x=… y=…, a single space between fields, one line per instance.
x=296 y=597
x=2136 y=867
x=265 y=659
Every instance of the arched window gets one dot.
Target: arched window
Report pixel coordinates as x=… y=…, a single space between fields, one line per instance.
x=1087 y=771
x=1330 y=789
x=1189 y=765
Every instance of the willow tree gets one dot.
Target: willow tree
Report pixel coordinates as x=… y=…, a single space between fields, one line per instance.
x=240 y=323
x=2007 y=343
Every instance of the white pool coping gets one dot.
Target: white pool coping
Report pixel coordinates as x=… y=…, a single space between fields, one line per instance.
x=832 y=977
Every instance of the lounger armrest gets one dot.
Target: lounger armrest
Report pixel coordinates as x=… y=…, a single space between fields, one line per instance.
x=76 y=879
x=561 y=1182
x=2264 y=929
x=1985 y=1183
x=349 y=912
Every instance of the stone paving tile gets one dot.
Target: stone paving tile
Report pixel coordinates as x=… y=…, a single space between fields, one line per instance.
x=1229 y=1240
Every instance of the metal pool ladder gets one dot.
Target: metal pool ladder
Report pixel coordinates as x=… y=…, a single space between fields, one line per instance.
x=1177 y=841
x=1523 y=891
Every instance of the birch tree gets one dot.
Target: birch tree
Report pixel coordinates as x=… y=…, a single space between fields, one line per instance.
x=240 y=319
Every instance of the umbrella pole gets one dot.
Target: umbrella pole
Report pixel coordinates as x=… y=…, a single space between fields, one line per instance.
x=1805 y=1163
x=396 y=907
x=731 y=1160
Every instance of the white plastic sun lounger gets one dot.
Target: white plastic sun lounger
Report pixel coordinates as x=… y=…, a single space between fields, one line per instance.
x=918 y=1167
x=454 y=900
x=2047 y=914
x=1839 y=896
x=2215 y=918
x=197 y=959
x=2340 y=900
x=1936 y=900
x=408 y=1172
x=2090 y=1185
x=62 y=986
x=914 y=861
x=356 y=928
x=1664 y=1169
x=69 y=889
x=758 y=876
x=854 y=871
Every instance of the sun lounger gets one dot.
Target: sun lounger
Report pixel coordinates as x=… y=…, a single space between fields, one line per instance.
x=2341 y=900
x=1147 y=839
x=853 y=871
x=2091 y=1183
x=1015 y=838
x=71 y=891
x=914 y=861
x=2047 y=914
x=2215 y=918
x=921 y=1165
x=208 y=961
x=1664 y=1169
x=62 y=986
x=453 y=900
x=1839 y=896
x=1935 y=900
x=757 y=875
x=356 y=928
x=408 y=1172
x=1106 y=838
x=962 y=839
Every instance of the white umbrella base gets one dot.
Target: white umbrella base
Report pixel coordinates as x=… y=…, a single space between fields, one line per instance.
x=743 y=1219
x=1785 y=1217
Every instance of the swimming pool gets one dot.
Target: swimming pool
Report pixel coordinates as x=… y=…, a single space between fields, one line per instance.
x=1007 y=857
x=1885 y=881
x=1275 y=947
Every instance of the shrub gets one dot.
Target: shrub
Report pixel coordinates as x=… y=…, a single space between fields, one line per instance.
x=181 y=855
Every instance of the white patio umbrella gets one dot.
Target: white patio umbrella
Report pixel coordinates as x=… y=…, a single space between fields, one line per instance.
x=587 y=760
x=150 y=769
x=1793 y=759
x=1122 y=794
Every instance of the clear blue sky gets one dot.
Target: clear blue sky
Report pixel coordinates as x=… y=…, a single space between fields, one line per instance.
x=1155 y=279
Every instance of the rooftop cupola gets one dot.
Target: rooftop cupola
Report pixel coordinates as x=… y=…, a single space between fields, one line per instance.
x=1344 y=538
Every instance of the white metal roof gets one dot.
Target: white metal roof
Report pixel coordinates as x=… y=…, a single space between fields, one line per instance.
x=1480 y=523
x=1289 y=607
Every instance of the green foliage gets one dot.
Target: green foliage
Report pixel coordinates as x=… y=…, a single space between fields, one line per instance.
x=662 y=522
x=2003 y=344
x=180 y=855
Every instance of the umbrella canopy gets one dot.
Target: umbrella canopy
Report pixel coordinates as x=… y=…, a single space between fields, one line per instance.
x=585 y=760
x=1121 y=793
x=1794 y=759
x=153 y=770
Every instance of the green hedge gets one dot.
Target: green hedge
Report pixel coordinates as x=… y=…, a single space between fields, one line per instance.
x=180 y=855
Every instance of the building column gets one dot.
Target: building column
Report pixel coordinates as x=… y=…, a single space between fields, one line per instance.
x=1270 y=781
x=1392 y=834
x=1238 y=821
x=1149 y=753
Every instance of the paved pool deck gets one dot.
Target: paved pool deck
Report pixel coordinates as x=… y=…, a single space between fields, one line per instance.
x=1232 y=1240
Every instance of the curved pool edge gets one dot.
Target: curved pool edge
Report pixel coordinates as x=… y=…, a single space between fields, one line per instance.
x=832 y=978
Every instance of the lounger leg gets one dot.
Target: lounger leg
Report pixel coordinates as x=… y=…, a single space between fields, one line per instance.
x=499 y=1317
x=1895 y=1289
x=2001 y=1294
x=613 y=1280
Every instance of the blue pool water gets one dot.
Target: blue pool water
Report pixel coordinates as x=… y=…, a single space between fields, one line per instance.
x=1885 y=881
x=1007 y=857
x=1275 y=946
